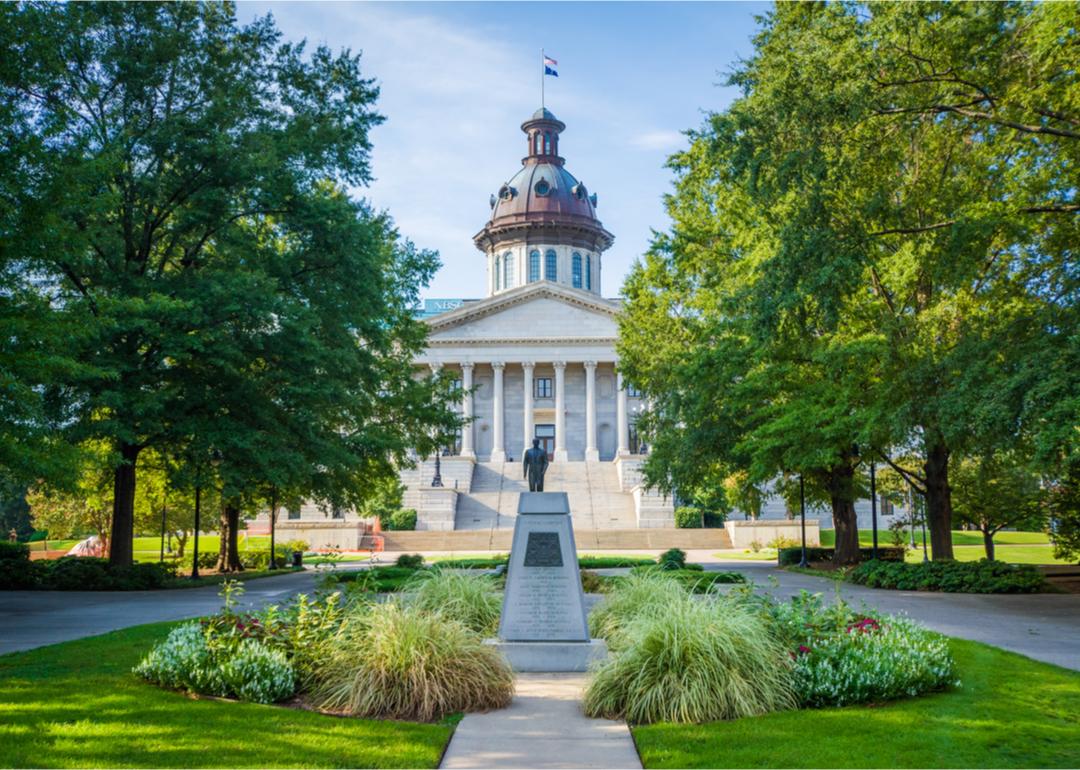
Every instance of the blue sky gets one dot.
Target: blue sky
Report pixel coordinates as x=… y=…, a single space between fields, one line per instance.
x=457 y=80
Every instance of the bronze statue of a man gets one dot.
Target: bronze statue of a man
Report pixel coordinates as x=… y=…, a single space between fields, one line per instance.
x=536 y=463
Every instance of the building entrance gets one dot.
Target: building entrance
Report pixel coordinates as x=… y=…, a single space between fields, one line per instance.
x=546 y=434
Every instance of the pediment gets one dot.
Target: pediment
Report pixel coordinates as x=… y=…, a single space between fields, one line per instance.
x=535 y=312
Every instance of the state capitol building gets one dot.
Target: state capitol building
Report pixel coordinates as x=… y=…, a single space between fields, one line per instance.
x=535 y=359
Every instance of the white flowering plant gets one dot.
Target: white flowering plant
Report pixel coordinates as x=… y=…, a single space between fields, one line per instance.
x=844 y=656
x=222 y=655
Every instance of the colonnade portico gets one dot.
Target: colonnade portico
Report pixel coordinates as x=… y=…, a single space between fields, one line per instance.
x=549 y=408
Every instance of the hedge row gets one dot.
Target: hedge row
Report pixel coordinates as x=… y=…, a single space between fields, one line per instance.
x=790 y=556
x=974 y=577
x=81 y=573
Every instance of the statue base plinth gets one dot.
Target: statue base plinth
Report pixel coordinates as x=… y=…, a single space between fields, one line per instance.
x=551 y=657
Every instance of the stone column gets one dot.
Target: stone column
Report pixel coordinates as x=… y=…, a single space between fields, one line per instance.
x=498 y=451
x=591 y=452
x=527 y=366
x=467 y=412
x=621 y=424
x=560 y=412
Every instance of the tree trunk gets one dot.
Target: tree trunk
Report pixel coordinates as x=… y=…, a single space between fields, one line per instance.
x=229 y=550
x=988 y=543
x=181 y=543
x=223 y=542
x=845 y=522
x=123 y=519
x=938 y=499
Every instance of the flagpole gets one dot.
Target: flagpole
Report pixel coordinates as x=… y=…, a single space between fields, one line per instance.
x=542 y=65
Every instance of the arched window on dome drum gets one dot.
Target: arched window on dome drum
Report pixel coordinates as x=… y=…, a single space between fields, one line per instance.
x=534 y=266
x=588 y=272
x=575 y=270
x=538 y=143
x=550 y=266
x=495 y=270
x=508 y=270
x=547 y=143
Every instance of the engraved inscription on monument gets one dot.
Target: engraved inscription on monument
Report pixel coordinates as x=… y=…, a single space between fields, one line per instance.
x=543 y=550
x=543 y=599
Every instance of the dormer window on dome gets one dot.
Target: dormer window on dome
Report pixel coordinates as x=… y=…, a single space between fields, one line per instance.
x=542 y=188
x=506 y=192
x=579 y=191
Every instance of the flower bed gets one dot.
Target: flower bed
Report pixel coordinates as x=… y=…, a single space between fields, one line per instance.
x=412 y=658
x=789 y=557
x=976 y=577
x=672 y=658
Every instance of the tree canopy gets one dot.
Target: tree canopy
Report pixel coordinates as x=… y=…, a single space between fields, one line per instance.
x=872 y=252
x=176 y=190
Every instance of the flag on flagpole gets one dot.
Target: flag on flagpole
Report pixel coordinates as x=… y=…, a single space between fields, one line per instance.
x=550 y=65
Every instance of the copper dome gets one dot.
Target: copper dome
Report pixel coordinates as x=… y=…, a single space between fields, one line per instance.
x=543 y=196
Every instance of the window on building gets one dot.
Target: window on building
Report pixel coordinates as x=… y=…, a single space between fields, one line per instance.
x=537 y=143
x=294 y=513
x=497 y=273
x=632 y=392
x=885 y=506
x=542 y=188
x=575 y=270
x=338 y=513
x=508 y=270
x=547 y=143
x=588 y=272
x=534 y=266
x=550 y=265
x=633 y=440
x=543 y=387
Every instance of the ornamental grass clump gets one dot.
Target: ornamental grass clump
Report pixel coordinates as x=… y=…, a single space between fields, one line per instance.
x=467 y=598
x=693 y=661
x=638 y=595
x=398 y=661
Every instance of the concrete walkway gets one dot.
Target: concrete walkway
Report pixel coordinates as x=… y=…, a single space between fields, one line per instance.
x=1045 y=627
x=542 y=728
x=36 y=618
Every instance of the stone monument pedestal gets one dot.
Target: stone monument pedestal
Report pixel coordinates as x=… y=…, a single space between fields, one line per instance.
x=544 y=625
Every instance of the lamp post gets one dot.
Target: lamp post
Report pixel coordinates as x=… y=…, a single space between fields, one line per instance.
x=802 y=519
x=922 y=518
x=873 y=507
x=273 y=520
x=436 y=480
x=215 y=461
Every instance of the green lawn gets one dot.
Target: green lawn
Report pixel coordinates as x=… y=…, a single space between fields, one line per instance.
x=78 y=705
x=1009 y=711
x=960 y=537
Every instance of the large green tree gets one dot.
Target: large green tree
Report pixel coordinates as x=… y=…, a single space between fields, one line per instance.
x=888 y=210
x=180 y=193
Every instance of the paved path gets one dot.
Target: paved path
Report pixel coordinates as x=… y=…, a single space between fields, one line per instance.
x=36 y=618
x=542 y=728
x=1042 y=626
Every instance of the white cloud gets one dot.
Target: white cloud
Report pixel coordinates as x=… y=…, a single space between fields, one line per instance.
x=658 y=140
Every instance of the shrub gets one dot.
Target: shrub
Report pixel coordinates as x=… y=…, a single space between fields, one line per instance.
x=399 y=662
x=302 y=629
x=591 y=583
x=90 y=573
x=673 y=558
x=373 y=580
x=872 y=660
x=260 y=559
x=693 y=661
x=694 y=578
x=977 y=577
x=791 y=556
x=401 y=519
x=843 y=656
x=468 y=599
x=253 y=672
x=410 y=560
x=639 y=594
x=782 y=542
x=17 y=574
x=14 y=551
x=607 y=562
x=688 y=518
x=187 y=660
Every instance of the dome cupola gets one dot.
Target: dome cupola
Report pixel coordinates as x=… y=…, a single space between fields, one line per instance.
x=543 y=220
